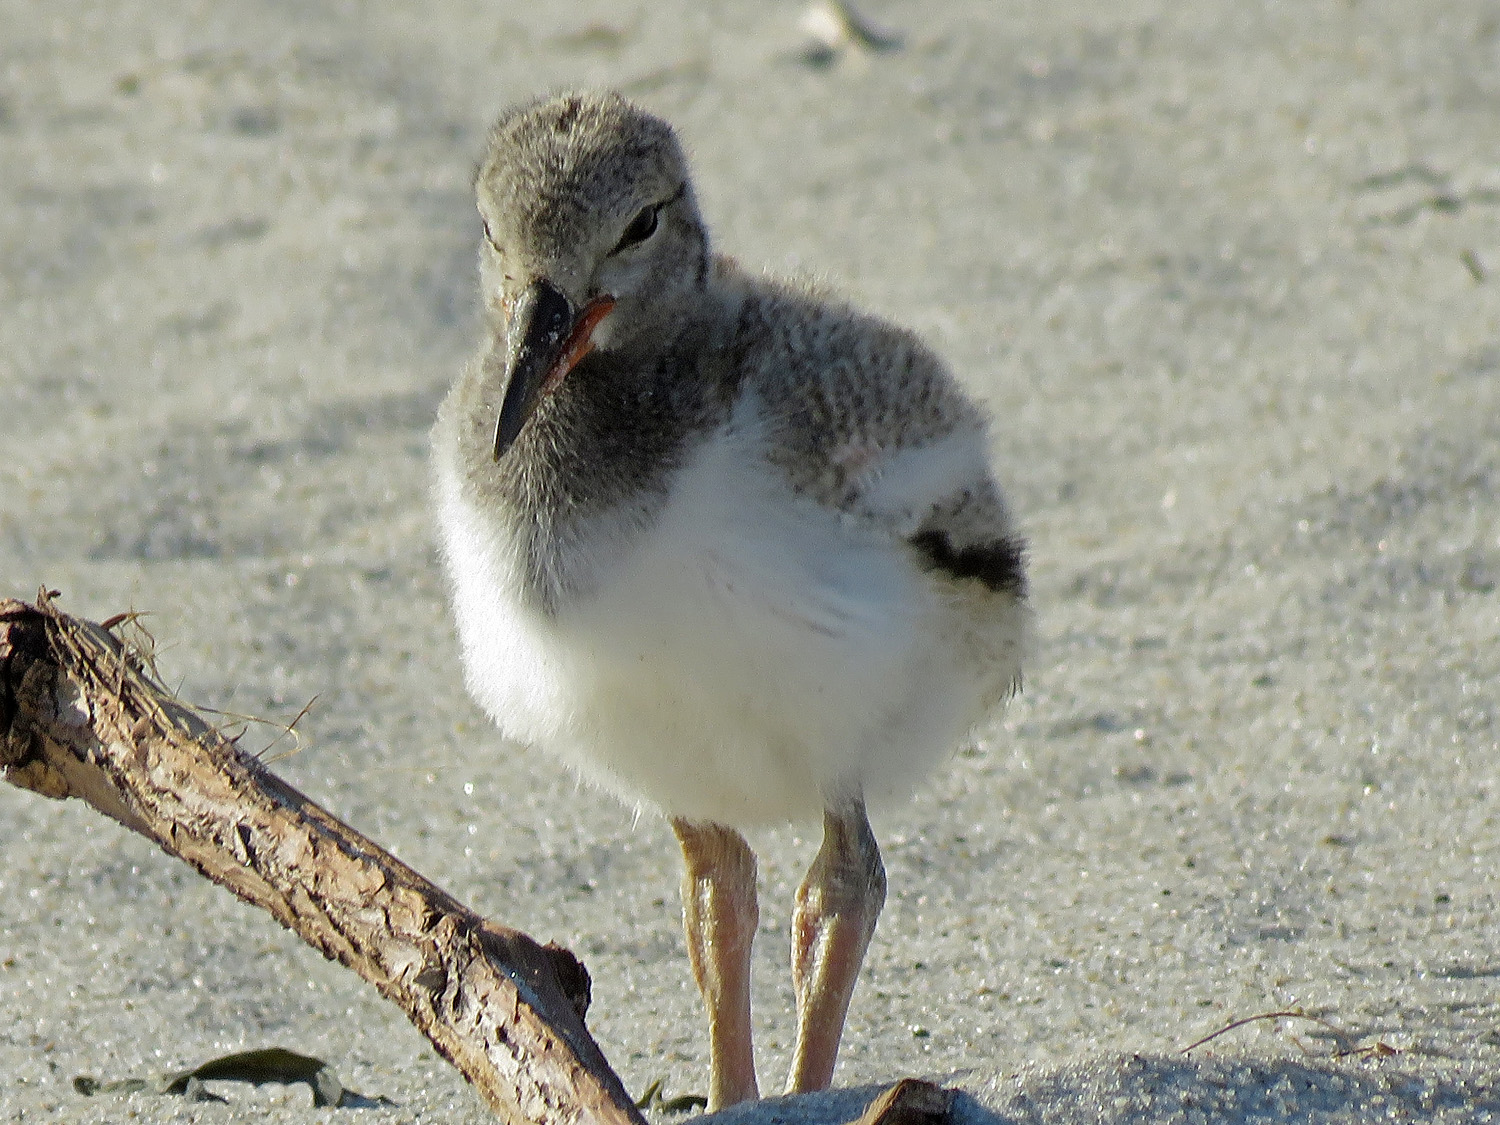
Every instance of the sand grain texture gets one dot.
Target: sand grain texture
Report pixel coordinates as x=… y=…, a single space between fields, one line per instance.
x=1226 y=275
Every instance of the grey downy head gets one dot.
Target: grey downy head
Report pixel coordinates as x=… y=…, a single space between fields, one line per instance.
x=592 y=240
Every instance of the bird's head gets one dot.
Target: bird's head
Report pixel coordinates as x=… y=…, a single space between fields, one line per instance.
x=592 y=240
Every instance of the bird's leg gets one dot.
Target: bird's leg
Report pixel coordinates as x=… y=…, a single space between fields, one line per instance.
x=837 y=906
x=719 y=914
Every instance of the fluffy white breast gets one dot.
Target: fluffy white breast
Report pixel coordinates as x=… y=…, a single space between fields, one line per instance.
x=745 y=657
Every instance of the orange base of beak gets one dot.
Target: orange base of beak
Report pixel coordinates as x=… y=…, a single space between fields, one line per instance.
x=579 y=342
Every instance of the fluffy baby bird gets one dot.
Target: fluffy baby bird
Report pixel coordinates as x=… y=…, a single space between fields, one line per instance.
x=730 y=549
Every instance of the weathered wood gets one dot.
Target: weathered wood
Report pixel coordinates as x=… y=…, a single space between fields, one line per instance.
x=80 y=716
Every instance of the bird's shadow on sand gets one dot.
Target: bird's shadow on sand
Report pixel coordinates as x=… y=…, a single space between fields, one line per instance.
x=1113 y=1090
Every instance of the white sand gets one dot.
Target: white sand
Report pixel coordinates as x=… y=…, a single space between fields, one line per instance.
x=1207 y=262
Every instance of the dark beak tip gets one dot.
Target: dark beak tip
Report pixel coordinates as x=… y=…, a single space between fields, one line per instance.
x=542 y=318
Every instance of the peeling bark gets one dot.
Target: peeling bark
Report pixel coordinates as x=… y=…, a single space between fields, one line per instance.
x=82 y=716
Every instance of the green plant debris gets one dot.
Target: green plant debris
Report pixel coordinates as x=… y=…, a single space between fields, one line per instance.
x=269 y=1064
x=653 y=1101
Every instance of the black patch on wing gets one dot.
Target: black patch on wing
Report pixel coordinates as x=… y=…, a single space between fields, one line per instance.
x=1000 y=564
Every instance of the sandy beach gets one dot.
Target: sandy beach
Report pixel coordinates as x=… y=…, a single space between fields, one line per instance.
x=1227 y=277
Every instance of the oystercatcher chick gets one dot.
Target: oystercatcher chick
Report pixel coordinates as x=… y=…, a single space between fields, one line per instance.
x=726 y=546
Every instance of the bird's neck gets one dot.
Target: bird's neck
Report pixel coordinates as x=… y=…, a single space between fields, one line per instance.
x=594 y=465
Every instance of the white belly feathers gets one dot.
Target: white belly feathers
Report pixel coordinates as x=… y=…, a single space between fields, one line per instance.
x=740 y=662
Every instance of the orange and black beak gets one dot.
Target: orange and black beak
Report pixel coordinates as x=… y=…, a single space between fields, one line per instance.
x=547 y=340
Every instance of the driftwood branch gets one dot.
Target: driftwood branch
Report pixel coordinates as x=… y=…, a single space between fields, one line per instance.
x=82 y=716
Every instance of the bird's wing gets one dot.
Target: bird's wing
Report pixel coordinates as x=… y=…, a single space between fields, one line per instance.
x=864 y=418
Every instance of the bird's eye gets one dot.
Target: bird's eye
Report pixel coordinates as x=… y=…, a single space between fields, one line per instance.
x=642 y=227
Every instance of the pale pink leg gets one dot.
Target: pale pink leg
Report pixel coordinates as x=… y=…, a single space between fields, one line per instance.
x=719 y=914
x=837 y=907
